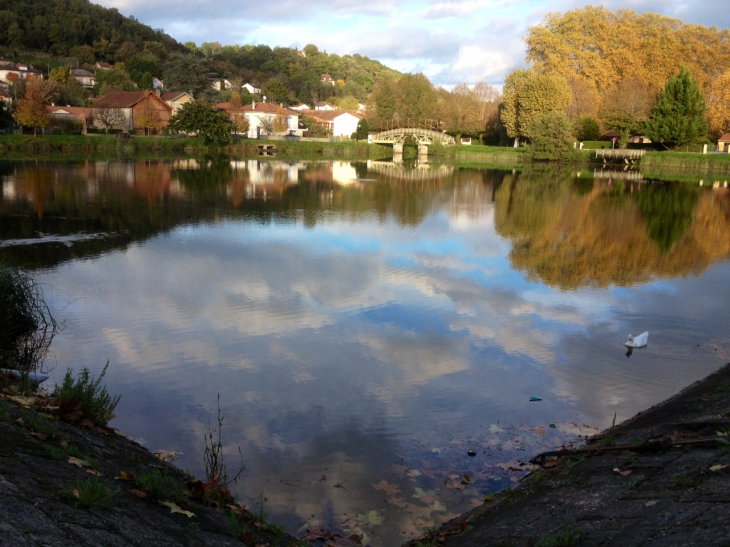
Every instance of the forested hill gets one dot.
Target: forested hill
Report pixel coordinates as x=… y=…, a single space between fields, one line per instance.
x=60 y=26
x=77 y=33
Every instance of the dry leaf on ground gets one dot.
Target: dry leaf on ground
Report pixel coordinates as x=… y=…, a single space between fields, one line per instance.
x=175 y=508
x=79 y=462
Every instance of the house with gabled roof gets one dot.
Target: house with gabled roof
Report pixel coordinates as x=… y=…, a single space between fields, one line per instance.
x=252 y=89
x=103 y=65
x=5 y=97
x=342 y=123
x=87 y=79
x=70 y=113
x=130 y=108
x=176 y=99
x=300 y=106
x=327 y=79
x=258 y=114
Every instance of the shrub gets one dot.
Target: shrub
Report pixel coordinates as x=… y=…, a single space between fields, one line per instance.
x=552 y=138
x=87 y=396
x=160 y=486
x=92 y=493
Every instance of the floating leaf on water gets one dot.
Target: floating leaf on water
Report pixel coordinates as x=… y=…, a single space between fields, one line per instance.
x=437 y=506
x=539 y=431
x=413 y=473
x=426 y=496
x=494 y=428
x=371 y=518
x=390 y=489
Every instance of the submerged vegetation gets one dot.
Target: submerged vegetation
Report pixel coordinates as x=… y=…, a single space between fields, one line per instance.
x=26 y=324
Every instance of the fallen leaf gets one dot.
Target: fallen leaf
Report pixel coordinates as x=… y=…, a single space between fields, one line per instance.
x=717 y=467
x=94 y=472
x=317 y=534
x=20 y=421
x=166 y=456
x=476 y=502
x=64 y=444
x=175 y=508
x=40 y=436
x=455 y=485
x=138 y=493
x=413 y=473
x=516 y=465
x=398 y=502
x=426 y=496
x=617 y=471
x=86 y=423
x=390 y=489
x=125 y=476
x=371 y=518
x=551 y=462
x=26 y=402
x=75 y=492
x=437 y=506
x=79 y=462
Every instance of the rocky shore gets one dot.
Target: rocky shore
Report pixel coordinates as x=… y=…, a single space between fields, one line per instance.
x=661 y=478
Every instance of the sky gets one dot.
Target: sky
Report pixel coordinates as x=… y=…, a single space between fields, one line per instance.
x=449 y=41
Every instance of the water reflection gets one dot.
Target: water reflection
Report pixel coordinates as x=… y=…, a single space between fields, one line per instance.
x=367 y=323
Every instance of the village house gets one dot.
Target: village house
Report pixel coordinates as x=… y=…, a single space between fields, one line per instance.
x=215 y=83
x=259 y=114
x=323 y=106
x=5 y=97
x=20 y=71
x=342 y=123
x=103 y=65
x=252 y=89
x=71 y=114
x=127 y=110
x=176 y=99
x=86 y=78
x=327 y=79
x=300 y=106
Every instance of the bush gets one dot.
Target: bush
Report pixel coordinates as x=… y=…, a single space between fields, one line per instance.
x=552 y=138
x=92 y=494
x=160 y=486
x=86 y=396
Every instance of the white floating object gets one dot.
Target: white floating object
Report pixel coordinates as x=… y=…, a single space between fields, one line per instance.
x=638 y=341
x=34 y=377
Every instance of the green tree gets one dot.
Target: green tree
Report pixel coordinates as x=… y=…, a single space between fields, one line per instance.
x=111 y=80
x=527 y=96
x=362 y=130
x=679 y=114
x=209 y=124
x=187 y=73
x=552 y=138
x=587 y=129
x=383 y=102
x=275 y=91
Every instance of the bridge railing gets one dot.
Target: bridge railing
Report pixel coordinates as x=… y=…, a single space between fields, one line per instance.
x=421 y=123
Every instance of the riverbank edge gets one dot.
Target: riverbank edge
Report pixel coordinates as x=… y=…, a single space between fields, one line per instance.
x=49 y=468
x=607 y=496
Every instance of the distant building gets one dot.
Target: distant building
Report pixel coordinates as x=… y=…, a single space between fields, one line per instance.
x=300 y=106
x=252 y=89
x=71 y=113
x=723 y=144
x=342 y=123
x=256 y=112
x=103 y=65
x=176 y=99
x=5 y=97
x=327 y=79
x=21 y=71
x=215 y=83
x=323 y=106
x=87 y=79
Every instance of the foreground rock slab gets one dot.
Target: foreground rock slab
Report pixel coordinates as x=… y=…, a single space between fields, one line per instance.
x=669 y=485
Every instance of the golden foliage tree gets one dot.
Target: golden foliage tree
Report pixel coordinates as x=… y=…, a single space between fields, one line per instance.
x=238 y=119
x=149 y=117
x=31 y=109
x=527 y=96
x=280 y=123
x=718 y=105
x=604 y=47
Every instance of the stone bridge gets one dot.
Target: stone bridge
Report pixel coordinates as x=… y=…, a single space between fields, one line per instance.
x=422 y=136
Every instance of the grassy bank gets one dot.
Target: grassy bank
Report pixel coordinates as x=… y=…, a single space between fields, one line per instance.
x=683 y=160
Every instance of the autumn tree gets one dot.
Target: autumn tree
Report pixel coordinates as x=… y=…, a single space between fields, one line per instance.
x=31 y=110
x=148 y=117
x=280 y=122
x=239 y=123
x=679 y=115
x=527 y=96
x=718 y=105
x=383 y=102
x=586 y=128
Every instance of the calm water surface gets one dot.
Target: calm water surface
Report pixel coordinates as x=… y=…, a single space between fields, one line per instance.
x=365 y=324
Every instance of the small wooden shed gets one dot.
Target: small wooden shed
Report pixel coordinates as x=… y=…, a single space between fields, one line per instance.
x=723 y=144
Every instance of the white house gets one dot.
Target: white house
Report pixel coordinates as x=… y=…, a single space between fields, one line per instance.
x=342 y=123
x=252 y=89
x=215 y=83
x=300 y=106
x=323 y=106
x=255 y=113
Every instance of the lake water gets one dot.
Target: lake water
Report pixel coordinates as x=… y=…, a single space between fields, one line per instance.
x=366 y=324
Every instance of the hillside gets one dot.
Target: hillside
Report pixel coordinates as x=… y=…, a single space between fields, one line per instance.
x=57 y=33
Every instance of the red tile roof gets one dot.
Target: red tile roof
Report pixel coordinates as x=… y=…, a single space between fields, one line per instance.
x=724 y=138
x=74 y=110
x=124 y=99
x=263 y=108
x=329 y=115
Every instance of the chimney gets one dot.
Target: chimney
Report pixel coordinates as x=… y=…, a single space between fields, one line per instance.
x=254 y=105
